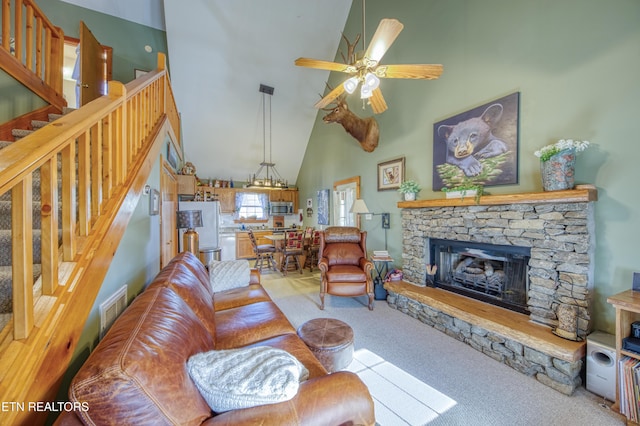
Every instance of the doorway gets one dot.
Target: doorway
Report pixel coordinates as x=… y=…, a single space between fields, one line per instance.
x=345 y=193
x=71 y=70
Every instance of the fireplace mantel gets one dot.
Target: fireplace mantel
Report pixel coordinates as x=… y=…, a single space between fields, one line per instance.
x=581 y=194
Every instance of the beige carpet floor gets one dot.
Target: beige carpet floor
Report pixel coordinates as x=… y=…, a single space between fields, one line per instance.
x=418 y=375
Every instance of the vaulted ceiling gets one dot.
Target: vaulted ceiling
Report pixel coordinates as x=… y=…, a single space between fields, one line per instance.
x=220 y=51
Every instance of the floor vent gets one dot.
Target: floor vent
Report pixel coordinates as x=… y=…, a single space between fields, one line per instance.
x=111 y=308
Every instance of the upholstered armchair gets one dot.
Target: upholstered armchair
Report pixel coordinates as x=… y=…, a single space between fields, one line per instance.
x=344 y=267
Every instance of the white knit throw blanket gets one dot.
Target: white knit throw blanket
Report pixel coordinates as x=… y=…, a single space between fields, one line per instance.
x=228 y=274
x=243 y=378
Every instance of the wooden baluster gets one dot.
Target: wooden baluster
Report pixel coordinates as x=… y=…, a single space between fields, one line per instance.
x=49 y=228
x=22 y=256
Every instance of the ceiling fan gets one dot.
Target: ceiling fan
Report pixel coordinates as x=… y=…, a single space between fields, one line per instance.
x=366 y=71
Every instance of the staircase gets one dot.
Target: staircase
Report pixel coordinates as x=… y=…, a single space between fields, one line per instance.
x=5 y=229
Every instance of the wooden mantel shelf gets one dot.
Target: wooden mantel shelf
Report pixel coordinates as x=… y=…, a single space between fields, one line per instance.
x=581 y=194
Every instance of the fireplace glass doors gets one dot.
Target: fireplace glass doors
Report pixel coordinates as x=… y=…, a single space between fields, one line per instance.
x=496 y=274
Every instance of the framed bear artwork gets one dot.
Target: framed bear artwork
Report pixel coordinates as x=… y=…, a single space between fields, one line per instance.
x=478 y=146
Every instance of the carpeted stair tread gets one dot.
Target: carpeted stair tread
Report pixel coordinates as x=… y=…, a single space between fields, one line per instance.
x=20 y=133
x=38 y=124
x=6 y=289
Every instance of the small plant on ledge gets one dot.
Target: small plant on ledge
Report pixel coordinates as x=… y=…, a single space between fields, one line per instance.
x=468 y=189
x=409 y=188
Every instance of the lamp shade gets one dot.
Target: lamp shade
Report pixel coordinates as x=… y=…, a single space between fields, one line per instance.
x=189 y=219
x=359 y=207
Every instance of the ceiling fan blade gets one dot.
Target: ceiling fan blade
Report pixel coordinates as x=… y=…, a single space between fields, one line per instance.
x=330 y=97
x=322 y=65
x=384 y=36
x=424 y=71
x=377 y=102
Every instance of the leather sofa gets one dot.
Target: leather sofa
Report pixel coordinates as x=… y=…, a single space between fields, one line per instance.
x=137 y=374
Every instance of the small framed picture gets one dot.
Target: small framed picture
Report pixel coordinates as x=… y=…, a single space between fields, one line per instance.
x=390 y=174
x=154 y=202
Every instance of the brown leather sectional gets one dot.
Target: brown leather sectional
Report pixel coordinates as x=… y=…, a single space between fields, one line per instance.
x=137 y=375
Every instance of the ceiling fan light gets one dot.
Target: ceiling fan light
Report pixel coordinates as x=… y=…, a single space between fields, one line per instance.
x=371 y=81
x=350 y=85
x=366 y=92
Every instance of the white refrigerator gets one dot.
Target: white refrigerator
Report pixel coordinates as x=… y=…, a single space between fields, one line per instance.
x=208 y=234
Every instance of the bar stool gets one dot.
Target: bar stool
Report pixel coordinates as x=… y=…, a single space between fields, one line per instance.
x=264 y=253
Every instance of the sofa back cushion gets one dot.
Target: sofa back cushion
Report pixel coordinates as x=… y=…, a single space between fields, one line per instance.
x=180 y=277
x=343 y=253
x=137 y=374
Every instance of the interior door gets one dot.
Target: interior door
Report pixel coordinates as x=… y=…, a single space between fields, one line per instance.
x=169 y=206
x=345 y=193
x=92 y=67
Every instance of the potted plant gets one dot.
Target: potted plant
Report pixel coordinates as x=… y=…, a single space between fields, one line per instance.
x=409 y=188
x=465 y=190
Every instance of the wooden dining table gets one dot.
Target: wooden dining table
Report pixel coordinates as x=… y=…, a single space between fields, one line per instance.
x=278 y=242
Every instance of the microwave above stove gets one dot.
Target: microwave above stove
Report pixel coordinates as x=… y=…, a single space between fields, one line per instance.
x=281 y=207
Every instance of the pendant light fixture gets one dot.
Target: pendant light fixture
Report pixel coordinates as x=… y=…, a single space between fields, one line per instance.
x=271 y=177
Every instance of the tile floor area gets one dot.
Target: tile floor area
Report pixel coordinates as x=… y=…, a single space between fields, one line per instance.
x=400 y=398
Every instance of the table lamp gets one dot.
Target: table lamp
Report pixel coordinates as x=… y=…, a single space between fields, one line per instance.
x=190 y=219
x=360 y=207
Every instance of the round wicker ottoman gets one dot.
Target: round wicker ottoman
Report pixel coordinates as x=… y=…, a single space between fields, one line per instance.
x=330 y=340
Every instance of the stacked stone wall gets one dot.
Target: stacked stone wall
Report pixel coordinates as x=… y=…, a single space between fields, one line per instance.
x=561 y=375
x=561 y=238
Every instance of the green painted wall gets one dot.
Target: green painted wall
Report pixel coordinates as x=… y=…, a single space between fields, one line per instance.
x=16 y=99
x=127 y=39
x=575 y=64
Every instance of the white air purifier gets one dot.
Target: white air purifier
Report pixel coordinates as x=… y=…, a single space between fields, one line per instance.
x=601 y=364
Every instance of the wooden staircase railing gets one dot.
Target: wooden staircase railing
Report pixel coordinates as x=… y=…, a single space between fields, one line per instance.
x=36 y=55
x=106 y=150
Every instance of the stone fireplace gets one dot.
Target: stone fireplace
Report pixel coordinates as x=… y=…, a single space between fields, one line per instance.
x=549 y=236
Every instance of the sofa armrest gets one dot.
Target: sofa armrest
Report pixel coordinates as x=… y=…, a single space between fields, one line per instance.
x=366 y=265
x=323 y=265
x=338 y=398
x=254 y=277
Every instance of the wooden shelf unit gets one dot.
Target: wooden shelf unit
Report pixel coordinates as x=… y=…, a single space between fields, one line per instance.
x=627 y=305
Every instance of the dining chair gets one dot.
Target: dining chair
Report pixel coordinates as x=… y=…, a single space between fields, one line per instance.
x=292 y=250
x=264 y=254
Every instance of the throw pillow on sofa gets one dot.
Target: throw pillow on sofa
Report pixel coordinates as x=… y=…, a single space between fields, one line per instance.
x=228 y=274
x=243 y=378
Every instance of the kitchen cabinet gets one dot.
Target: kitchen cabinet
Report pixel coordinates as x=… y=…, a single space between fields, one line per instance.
x=186 y=184
x=226 y=196
x=288 y=195
x=244 y=249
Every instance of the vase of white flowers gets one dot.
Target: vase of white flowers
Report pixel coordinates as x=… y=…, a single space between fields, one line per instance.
x=557 y=163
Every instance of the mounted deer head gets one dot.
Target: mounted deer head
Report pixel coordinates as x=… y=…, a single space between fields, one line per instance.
x=365 y=130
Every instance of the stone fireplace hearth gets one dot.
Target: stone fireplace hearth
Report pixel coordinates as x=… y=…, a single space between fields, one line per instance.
x=557 y=227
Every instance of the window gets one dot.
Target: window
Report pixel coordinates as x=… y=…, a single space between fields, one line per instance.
x=251 y=205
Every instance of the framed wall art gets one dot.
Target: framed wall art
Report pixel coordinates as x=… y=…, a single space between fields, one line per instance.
x=390 y=174
x=323 y=207
x=478 y=146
